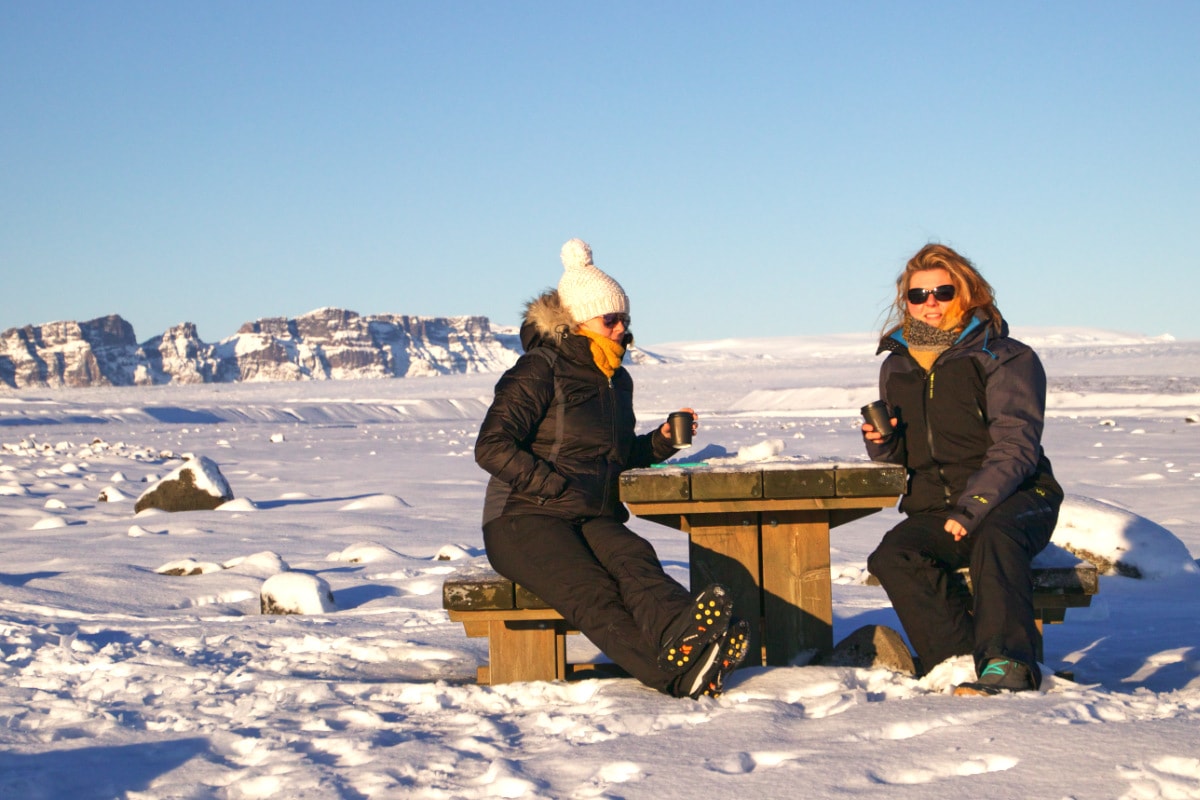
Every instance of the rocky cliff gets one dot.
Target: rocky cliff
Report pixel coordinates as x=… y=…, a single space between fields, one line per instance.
x=329 y=343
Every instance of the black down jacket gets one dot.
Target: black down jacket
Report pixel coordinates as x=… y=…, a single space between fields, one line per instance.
x=559 y=431
x=970 y=428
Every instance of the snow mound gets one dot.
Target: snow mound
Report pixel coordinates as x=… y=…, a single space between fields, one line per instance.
x=453 y=552
x=238 y=504
x=111 y=494
x=364 y=553
x=264 y=564
x=377 y=502
x=188 y=566
x=1119 y=541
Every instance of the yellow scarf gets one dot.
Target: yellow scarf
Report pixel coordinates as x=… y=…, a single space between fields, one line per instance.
x=605 y=352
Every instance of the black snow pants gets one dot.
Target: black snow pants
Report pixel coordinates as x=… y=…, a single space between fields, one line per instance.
x=602 y=577
x=917 y=563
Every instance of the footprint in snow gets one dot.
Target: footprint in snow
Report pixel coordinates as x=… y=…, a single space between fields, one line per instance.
x=1168 y=776
x=978 y=765
x=742 y=763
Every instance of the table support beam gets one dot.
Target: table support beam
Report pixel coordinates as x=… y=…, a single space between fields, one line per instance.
x=796 y=585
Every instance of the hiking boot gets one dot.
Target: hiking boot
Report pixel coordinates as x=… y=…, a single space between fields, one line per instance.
x=998 y=675
x=721 y=658
x=705 y=621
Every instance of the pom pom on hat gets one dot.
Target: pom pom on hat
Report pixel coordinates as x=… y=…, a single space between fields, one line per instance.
x=576 y=254
x=584 y=290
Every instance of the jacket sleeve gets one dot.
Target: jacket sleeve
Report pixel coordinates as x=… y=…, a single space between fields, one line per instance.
x=650 y=448
x=523 y=396
x=1016 y=407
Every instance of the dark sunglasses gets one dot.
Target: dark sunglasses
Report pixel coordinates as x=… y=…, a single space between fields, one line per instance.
x=611 y=320
x=943 y=294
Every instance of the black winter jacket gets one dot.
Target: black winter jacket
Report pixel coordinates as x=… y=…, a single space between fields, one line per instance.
x=559 y=432
x=970 y=428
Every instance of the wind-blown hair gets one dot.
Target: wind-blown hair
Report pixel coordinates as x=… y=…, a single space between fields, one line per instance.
x=974 y=295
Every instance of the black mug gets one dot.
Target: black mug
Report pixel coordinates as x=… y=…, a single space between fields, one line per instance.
x=880 y=417
x=681 y=429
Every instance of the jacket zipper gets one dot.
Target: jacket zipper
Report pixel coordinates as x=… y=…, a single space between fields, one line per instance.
x=612 y=415
x=929 y=381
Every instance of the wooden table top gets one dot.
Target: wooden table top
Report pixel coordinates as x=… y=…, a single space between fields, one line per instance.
x=765 y=480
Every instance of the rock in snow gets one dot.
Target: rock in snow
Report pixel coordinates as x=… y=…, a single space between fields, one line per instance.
x=296 y=593
x=198 y=485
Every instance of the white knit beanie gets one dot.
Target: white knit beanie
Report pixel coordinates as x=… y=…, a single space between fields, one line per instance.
x=584 y=290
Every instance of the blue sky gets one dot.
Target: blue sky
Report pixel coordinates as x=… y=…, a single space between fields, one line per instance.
x=744 y=169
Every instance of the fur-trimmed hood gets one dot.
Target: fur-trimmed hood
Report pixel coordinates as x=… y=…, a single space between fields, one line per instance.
x=547 y=321
x=547 y=317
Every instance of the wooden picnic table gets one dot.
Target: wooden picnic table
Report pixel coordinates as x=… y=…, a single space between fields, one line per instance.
x=762 y=530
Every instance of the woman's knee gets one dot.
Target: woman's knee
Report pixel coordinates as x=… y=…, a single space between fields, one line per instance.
x=889 y=558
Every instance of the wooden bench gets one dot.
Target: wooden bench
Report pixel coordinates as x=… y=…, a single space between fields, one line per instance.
x=527 y=640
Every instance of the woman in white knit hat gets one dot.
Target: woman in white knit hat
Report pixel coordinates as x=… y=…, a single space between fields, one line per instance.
x=558 y=434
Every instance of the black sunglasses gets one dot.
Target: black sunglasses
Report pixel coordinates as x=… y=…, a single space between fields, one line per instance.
x=943 y=294
x=611 y=320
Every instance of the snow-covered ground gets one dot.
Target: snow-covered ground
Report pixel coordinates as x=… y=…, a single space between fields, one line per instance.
x=118 y=680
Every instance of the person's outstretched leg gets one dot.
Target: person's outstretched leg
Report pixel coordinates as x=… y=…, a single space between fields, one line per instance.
x=681 y=622
x=653 y=597
x=916 y=564
x=551 y=558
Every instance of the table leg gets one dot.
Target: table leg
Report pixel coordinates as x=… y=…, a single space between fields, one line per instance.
x=797 y=590
x=724 y=548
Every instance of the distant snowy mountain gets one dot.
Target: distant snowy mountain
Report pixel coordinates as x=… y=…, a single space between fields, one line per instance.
x=328 y=343
x=332 y=343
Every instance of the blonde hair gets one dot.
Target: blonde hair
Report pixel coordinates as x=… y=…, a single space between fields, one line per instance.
x=973 y=295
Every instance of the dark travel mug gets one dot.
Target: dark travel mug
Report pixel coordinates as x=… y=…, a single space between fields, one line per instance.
x=878 y=415
x=681 y=429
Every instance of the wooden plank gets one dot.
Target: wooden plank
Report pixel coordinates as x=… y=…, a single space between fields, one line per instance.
x=523 y=598
x=785 y=481
x=655 y=485
x=797 y=590
x=862 y=480
x=485 y=590
x=776 y=504
x=1069 y=586
x=480 y=590
x=1081 y=579
x=724 y=548
x=726 y=484
x=524 y=651
x=475 y=628
x=504 y=615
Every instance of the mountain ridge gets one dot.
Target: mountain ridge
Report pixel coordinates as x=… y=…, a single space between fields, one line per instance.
x=327 y=343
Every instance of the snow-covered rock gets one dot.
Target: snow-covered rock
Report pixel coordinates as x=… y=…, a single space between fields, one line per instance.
x=197 y=485
x=1119 y=541
x=296 y=593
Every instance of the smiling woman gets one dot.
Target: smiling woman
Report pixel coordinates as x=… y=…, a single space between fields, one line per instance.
x=968 y=404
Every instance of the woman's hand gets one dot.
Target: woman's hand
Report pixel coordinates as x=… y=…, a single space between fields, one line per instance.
x=665 y=428
x=955 y=529
x=873 y=436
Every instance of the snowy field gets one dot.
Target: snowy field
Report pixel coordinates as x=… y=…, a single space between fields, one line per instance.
x=119 y=681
